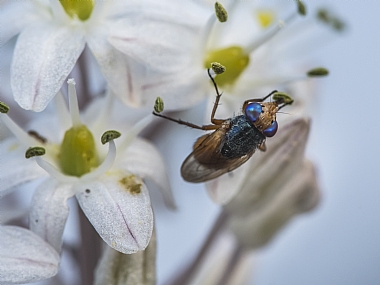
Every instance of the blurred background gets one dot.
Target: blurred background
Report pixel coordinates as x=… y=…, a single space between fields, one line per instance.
x=338 y=242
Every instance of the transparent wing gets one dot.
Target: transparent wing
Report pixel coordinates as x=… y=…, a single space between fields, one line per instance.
x=206 y=161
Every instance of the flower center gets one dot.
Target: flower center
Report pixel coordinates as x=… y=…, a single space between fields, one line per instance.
x=78 y=153
x=234 y=58
x=80 y=8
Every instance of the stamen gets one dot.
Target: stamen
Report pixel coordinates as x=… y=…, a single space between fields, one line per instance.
x=158 y=105
x=4 y=108
x=106 y=164
x=109 y=135
x=282 y=97
x=220 y=12
x=333 y=21
x=62 y=111
x=53 y=172
x=217 y=68
x=137 y=128
x=34 y=151
x=73 y=103
x=23 y=137
x=301 y=8
x=316 y=72
x=269 y=34
x=205 y=33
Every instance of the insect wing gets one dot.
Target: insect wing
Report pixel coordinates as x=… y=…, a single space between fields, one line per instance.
x=206 y=161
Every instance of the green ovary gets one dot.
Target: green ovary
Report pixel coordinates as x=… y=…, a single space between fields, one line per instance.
x=233 y=58
x=78 y=153
x=81 y=8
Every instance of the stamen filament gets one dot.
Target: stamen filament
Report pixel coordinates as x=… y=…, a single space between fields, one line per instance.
x=73 y=103
x=23 y=137
x=53 y=172
x=205 y=33
x=137 y=128
x=106 y=164
x=270 y=34
x=62 y=111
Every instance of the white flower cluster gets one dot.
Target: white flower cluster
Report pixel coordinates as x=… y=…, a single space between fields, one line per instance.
x=144 y=49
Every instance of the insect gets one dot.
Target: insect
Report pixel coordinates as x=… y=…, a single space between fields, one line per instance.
x=234 y=140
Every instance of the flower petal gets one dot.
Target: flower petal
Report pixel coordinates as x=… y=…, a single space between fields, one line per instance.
x=116 y=69
x=50 y=211
x=25 y=257
x=143 y=159
x=132 y=269
x=10 y=13
x=272 y=169
x=299 y=194
x=43 y=57
x=15 y=168
x=118 y=206
x=147 y=36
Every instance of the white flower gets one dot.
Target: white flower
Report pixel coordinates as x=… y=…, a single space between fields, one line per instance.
x=280 y=185
x=109 y=187
x=132 y=269
x=25 y=257
x=255 y=44
x=52 y=35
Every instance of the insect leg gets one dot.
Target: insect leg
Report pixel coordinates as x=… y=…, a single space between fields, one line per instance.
x=204 y=127
x=216 y=103
x=260 y=99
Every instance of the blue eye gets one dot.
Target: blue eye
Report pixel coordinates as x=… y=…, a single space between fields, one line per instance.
x=253 y=111
x=271 y=130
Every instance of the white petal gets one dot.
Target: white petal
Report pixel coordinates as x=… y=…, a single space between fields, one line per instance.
x=148 y=37
x=25 y=257
x=43 y=57
x=15 y=168
x=179 y=90
x=299 y=194
x=115 y=68
x=123 y=219
x=132 y=269
x=50 y=211
x=13 y=23
x=143 y=159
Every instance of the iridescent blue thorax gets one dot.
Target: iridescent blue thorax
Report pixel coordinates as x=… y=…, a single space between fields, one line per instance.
x=242 y=138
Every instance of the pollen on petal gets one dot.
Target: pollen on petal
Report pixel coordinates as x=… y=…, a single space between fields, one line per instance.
x=131 y=184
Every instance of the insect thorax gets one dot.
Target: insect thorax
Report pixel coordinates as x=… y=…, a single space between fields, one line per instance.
x=242 y=138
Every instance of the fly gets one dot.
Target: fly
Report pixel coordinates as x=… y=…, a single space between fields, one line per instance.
x=234 y=140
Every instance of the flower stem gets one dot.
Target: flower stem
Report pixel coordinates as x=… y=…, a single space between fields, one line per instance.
x=186 y=276
x=90 y=249
x=228 y=272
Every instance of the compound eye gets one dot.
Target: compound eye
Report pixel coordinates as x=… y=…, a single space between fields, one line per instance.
x=271 y=130
x=253 y=111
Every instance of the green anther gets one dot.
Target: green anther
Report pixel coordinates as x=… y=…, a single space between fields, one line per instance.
x=80 y=8
x=319 y=71
x=4 y=108
x=331 y=20
x=109 y=135
x=78 y=153
x=158 y=105
x=218 y=68
x=282 y=98
x=301 y=8
x=220 y=12
x=34 y=151
x=233 y=58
